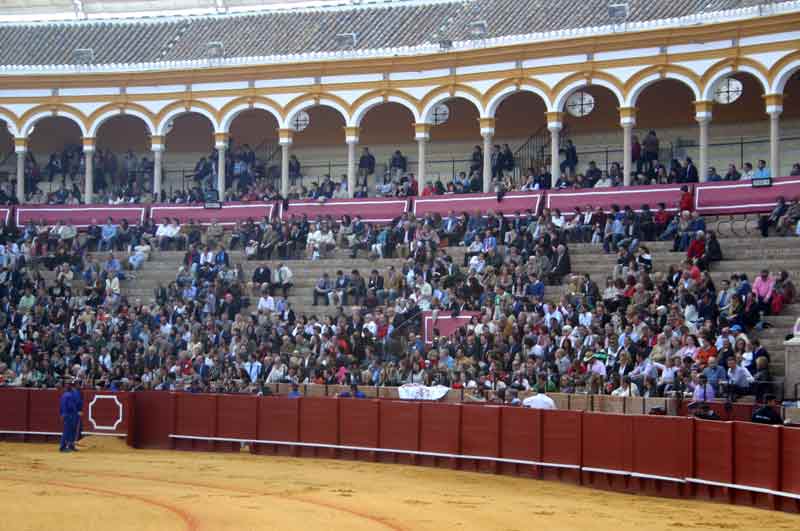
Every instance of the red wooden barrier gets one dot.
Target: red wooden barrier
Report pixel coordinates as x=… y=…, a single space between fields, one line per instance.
x=227 y=216
x=480 y=435
x=561 y=443
x=195 y=416
x=319 y=424
x=520 y=439
x=80 y=215
x=372 y=210
x=5 y=215
x=440 y=432
x=278 y=420
x=236 y=419
x=607 y=442
x=43 y=416
x=740 y=197
x=512 y=203
x=790 y=460
x=399 y=429
x=662 y=448
x=154 y=419
x=633 y=196
x=359 y=422
x=107 y=413
x=14 y=418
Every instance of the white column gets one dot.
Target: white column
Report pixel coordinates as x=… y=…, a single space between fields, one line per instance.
x=487 y=132
x=21 y=148
x=422 y=134
x=285 y=137
x=627 y=119
x=351 y=137
x=703 y=117
x=774 y=109
x=487 y=162
x=285 y=168
x=221 y=170
x=555 y=161
x=158 y=153
x=775 y=143
x=88 y=155
x=157 y=146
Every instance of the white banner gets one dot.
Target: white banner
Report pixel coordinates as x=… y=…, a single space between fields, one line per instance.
x=421 y=392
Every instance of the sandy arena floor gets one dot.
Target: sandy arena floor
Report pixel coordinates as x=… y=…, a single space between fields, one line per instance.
x=109 y=486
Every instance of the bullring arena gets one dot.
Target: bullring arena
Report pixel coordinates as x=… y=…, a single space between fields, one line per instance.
x=399 y=264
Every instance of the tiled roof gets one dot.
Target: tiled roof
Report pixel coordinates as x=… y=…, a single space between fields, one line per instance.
x=279 y=33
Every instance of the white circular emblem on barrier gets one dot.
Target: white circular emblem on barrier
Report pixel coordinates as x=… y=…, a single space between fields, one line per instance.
x=119 y=416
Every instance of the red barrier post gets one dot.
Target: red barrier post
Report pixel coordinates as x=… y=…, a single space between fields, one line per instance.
x=480 y=436
x=662 y=452
x=521 y=439
x=15 y=408
x=319 y=424
x=607 y=449
x=399 y=430
x=236 y=419
x=561 y=444
x=713 y=458
x=359 y=425
x=440 y=433
x=195 y=416
x=278 y=420
x=756 y=454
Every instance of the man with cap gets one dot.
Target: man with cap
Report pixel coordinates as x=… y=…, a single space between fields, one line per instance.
x=68 y=410
x=767 y=414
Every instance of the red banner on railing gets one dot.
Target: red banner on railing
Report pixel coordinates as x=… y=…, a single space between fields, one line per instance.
x=444 y=322
x=633 y=196
x=372 y=210
x=81 y=216
x=5 y=215
x=227 y=215
x=741 y=197
x=511 y=203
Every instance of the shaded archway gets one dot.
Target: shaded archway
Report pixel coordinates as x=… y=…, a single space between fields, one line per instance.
x=597 y=134
x=453 y=141
x=320 y=146
x=521 y=122
x=790 y=120
x=8 y=159
x=56 y=139
x=122 y=154
x=189 y=139
x=254 y=141
x=740 y=129
x=666 y=107
x=386 y=128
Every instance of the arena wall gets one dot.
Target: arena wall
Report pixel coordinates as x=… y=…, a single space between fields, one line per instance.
x=733 y=462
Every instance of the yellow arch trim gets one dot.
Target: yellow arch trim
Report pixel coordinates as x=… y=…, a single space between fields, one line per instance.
x=451 y=89
x=386 y=93
x=51 y=108
x=780 y=64
x=659 y=69
x=120 y=106
x=519 y=83
x=248 y=100
x=588 y=76
x=187 y=105
x=734 y=63
x=316 y=97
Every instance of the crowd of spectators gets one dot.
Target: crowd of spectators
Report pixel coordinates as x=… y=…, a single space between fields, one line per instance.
x=646 y=330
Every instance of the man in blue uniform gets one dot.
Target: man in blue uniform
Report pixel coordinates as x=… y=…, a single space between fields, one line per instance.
x=78 y=397
x=68 y=409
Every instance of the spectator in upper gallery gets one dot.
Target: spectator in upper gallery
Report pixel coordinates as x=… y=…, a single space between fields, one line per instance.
x=570 y=161
x=650 y=152
x=689 y=171
x=748 y=172
x=398 y=164
x=366 y=164
x=294 y=170
x=732 y=173
x=712 y=175
x=762 y=171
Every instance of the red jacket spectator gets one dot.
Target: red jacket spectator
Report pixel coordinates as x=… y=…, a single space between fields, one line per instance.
x=697 y=248
x=686 y=201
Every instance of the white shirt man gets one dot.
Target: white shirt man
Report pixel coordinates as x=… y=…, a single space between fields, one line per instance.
x=266 y=303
